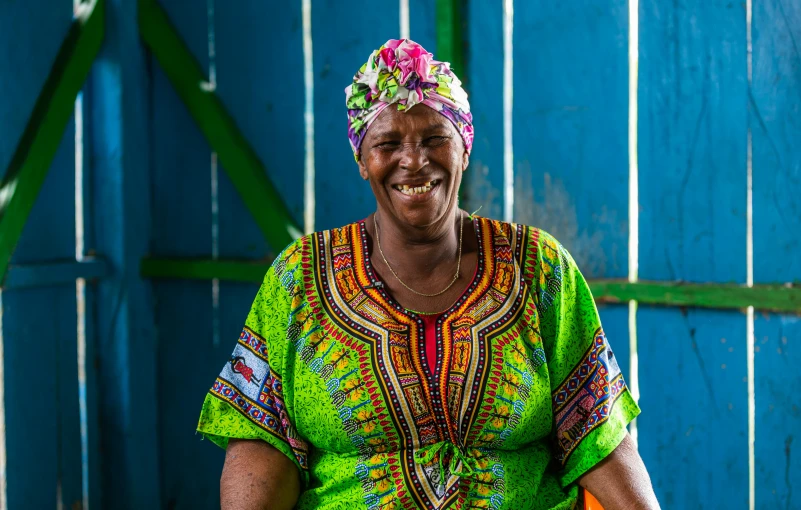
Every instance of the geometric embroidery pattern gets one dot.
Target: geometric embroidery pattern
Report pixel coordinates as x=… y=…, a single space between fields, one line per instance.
x=584 y=401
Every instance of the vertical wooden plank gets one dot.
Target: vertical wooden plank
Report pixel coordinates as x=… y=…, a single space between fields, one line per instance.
x=126 y=347
x=181 y=224
x=41 y=385
x=338 y=54
x=423 y=25
x=777 y=357
x=693 y=426
x=692 y=160
x=570 y=135
x=775 y=127
x=269 y=111
x=42 y=429
x=483 y=182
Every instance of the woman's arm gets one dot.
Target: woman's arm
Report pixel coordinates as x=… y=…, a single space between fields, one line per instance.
x=256 y=476
x=620 y=481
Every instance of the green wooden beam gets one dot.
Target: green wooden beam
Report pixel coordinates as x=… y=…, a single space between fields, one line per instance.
x=238 y=158
x=449 y=35
x=42 y=136
x=780 y=298
x=204 y=269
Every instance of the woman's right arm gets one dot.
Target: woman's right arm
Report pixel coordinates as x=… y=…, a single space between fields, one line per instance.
x=256 y=476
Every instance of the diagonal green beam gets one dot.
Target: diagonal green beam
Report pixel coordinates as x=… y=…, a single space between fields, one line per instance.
x=238 y=158
x=778 y=298
x=42 y=136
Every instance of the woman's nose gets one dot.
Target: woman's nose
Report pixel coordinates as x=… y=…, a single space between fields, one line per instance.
x=413 y=157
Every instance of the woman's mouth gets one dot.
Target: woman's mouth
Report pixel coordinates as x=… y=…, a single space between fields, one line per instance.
x=416 y=190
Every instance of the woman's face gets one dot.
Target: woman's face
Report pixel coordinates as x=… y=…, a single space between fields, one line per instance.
x=419 y=149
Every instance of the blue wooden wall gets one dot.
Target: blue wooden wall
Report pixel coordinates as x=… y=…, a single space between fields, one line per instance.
x=153 y=188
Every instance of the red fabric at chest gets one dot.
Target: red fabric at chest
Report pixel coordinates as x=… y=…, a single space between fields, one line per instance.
x=430 y=339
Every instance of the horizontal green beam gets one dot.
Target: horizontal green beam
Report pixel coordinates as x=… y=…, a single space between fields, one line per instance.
x=203 y=269
x=42 y=136
x=54 y=273
x=778 y=298
x=237 y=157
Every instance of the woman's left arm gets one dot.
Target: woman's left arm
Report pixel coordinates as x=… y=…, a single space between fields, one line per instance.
x=620 y=481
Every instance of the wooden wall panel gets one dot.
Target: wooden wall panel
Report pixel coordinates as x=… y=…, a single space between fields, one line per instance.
x=692 y=160
x=343 y=40
x=775 y=121
x=39 y=333
x=182 y=226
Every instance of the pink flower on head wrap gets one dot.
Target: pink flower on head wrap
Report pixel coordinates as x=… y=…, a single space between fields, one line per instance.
x=403 y=72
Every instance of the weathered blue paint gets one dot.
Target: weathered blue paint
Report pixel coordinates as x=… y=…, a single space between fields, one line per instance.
x=776 y=130
x=693 y=428
x=266 y=109
x=423 y=24
x=40 y=380
x=338 y=54
x=692 y=160
x=53 y=273
x=38 y=26
x=777 y=445
x=126 y=346
x=41 y=386
x=190 y=469
x=482 y=184
x=775 y=121
x=570 y=134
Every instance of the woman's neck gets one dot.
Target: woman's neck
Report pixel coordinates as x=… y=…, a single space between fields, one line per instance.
x=421 y=251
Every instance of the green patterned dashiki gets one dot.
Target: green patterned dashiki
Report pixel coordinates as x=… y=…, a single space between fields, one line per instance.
x=330 y=370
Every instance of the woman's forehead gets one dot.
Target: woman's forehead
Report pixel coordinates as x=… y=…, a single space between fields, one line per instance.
x=419 y=118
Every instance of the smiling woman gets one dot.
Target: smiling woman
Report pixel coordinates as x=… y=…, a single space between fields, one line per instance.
x=464 y=366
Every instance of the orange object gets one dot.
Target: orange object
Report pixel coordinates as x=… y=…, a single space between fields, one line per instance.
x=590 y=503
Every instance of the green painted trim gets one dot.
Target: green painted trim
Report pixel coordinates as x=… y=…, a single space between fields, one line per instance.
x=449 y=34
x=204 y=269
x=779 y=298
x=238 y=158
x=42 y=136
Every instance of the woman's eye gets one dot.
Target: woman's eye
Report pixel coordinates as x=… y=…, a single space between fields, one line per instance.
x=387 y=145
x=436 y=140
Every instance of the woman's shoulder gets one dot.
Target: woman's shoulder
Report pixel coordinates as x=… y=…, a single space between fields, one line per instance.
x=521 y=234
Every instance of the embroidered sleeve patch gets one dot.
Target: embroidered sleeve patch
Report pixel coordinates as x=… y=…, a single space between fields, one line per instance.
x=249 y=385
x=584 y=401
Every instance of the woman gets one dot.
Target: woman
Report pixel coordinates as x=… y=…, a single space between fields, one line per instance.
x=423 y=357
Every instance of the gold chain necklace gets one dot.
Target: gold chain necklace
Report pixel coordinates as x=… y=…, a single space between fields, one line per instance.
x=458 y=259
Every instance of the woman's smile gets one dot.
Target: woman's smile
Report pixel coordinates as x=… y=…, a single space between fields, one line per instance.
x=418 y=192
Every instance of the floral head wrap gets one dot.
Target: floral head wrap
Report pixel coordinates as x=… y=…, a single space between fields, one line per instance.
x=403 y=72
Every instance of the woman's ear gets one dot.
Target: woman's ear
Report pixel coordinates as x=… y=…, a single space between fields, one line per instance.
x=465 y=160
x=363 y=169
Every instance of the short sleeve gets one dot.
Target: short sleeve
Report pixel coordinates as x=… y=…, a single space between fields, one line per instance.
x=247 y=399
x=591 y=403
